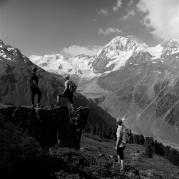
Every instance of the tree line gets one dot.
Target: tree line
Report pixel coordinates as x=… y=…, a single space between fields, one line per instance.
x=151 y=146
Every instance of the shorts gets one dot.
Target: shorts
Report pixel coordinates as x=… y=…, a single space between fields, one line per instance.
x=120 y=152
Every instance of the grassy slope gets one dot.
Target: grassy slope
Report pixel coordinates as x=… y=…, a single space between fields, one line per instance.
x=157 y=167
x=22 y=154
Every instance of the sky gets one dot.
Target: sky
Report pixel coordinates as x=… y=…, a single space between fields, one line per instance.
x=73 y=27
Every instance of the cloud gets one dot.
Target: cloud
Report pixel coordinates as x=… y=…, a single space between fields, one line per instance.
x=108 y=31
x=130 y=13
x=161 y=17
x=103 y=12
x=132 y=3
x=75 y=50
x=117 y=6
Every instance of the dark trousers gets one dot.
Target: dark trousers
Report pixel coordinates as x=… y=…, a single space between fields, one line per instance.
x=69 y=95
x=35 y=91
x=120 y=152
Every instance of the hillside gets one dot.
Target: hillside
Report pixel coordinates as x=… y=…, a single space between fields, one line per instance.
x=15 y=70
x=29 y=148
x=136 y=161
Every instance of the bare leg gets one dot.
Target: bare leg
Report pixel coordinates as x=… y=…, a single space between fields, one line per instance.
x=122 y=165
x=58 y=100
x=118 y=159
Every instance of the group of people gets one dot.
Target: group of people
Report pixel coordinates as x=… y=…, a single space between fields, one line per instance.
x=69 y=90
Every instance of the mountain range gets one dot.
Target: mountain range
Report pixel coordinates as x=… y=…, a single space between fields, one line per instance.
x=110 y=58
x=129 y=79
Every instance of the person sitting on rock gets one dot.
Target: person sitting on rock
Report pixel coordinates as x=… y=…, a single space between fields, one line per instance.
x=70 y=88
x=35 y=90
x=120 y=142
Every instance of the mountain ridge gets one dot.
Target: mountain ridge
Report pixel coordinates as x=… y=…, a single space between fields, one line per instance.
x=110 y=58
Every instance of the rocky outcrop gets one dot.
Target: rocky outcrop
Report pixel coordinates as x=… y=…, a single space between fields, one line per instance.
x=48 y=125
x=27 y=135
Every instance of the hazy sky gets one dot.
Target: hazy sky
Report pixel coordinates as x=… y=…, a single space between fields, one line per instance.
x=39 y=27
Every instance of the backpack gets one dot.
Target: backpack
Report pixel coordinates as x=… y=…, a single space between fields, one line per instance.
x=72 y=86
x=123 y=135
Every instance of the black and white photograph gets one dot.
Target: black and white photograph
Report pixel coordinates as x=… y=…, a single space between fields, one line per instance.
x=89 y=89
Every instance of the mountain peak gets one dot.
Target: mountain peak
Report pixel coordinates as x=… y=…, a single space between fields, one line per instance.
x=170 y=47
x=120 y=40
x=170 y=44
x=121 y=43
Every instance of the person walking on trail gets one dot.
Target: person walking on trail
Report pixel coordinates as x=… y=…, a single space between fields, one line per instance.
x=35 y=90
x=120 y=142
x=70 y=88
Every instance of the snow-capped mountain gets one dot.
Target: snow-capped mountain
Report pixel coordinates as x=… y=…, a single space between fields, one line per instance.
x=170 y=47
x=80 y=65
x=115 y=54
x=120 y=49
x=52 y=63
x=12 y=54
x=111 y=57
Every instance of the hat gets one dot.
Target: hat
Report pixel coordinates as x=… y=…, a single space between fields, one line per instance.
x=119 y=120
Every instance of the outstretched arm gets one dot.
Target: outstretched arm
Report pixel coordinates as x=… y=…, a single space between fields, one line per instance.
x=66 y=84
x=117 y=142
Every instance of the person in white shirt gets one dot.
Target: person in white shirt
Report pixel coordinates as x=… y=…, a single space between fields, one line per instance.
x=120 y=142
x=69 y=90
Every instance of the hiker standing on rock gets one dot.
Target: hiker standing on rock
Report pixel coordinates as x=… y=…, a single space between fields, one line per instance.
x=120 y=142
x=70 y=88
x=35 y=90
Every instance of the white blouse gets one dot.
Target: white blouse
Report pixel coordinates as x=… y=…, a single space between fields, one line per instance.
x=118 y=134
